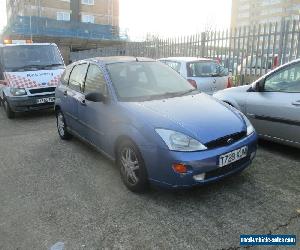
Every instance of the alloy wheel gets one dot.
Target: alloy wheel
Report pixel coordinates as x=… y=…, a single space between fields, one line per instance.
x=130 y=165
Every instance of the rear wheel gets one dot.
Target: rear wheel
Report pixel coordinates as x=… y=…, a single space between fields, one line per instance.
x=9 y=113
x=132 y=167
x=62 y=126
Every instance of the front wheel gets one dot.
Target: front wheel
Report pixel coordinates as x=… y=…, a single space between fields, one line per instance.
x=9 y=113
x=132 y=167
x=62 y=126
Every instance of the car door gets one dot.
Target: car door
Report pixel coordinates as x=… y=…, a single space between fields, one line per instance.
x=73 y=95
x=275 y=110
x=94 y=116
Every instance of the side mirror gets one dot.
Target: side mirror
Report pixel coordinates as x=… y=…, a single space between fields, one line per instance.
x=260 y=85
x=95 y=97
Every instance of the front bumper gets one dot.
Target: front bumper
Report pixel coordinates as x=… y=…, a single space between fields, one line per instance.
x=29 y=103
x=159 y=164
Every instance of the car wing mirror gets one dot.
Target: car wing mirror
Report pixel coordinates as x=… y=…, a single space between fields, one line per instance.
x=260 y=85
x=95 y=97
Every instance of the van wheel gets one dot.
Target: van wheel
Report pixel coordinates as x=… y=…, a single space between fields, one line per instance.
x=132 y=167
x=9 y=113
x=62 y=126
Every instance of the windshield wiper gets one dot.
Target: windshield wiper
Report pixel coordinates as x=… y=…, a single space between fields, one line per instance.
x=28 y=67
x=167 y=95
x=52 y=65
x=187 y=92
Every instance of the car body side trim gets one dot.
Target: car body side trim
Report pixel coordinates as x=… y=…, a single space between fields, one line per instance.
x=90 y=143
x=72 y=116
x=279 y=120
x=90 y=127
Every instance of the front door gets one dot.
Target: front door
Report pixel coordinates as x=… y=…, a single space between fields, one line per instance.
x=275 y=111
x=93 y=116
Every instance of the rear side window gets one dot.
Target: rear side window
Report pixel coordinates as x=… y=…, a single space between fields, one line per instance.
x=66 y=75
x=77 y=77
x=174 y=65
x=95 y=81
x=205 y=69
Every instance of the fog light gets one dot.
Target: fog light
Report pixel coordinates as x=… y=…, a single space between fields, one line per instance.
x=252 y=156
x=179 y=168
x=199 y=177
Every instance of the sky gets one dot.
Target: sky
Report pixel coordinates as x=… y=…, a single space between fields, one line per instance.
x=173 y=17
x=166 y=18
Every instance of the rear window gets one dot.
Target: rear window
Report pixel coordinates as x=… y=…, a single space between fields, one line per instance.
x=205 y=69
x=21 y=57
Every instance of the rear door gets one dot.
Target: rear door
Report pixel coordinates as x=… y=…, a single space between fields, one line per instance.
x=275 y=112
x=94 y=116
x=73 y=95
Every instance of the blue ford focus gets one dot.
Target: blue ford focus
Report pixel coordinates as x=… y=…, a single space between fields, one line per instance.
x=156 y=126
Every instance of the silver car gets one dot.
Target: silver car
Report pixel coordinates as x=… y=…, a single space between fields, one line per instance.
x=272 y=103
x=207 y=75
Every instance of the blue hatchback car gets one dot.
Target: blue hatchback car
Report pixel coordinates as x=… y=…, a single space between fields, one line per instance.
x=152 y=122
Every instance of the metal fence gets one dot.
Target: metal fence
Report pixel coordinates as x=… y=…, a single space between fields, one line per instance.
x=247 y=52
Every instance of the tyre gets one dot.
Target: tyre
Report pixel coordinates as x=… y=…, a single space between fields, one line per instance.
x=132 y=167
x=9 y=113
x=62 y=126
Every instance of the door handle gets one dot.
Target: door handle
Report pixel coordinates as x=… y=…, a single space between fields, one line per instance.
x=65 y=93
x=296 y=103
x=82 y=102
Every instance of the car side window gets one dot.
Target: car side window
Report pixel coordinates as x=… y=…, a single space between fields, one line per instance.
x=286 y=80
x=77 y=77
x=174 y=65
x=95 y=81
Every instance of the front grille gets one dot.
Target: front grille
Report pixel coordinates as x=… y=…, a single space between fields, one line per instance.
x=226 y=169
x=224 y=141
x=42 y=90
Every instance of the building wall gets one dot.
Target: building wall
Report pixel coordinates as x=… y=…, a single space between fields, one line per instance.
x=249 y=12
x=104 y=11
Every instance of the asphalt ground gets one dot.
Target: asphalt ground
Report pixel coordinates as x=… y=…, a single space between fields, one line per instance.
x=64 y=191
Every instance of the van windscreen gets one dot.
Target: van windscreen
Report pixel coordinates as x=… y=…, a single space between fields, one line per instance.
x=25 y=57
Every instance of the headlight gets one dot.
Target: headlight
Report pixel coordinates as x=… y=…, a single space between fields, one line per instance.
x=17 y=91
x=250 y=128
x=179 y=142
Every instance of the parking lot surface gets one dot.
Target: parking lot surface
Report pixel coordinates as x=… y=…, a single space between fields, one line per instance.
x=65 y=191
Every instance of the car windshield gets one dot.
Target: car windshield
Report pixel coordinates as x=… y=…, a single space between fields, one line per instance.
x=142 y=81
x=22 y=57
x=205 y=69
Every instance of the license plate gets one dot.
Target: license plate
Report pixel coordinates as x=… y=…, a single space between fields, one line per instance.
x=233 y=156
x=45 y=100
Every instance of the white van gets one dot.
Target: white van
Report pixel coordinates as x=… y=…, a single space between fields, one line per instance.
x=29 y=74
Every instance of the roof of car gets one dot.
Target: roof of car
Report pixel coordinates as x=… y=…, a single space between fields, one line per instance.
x=186 y=59
x=120 y=59
x=25 y=44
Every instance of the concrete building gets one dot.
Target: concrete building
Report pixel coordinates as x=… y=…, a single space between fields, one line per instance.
x=104 y=12
x=251 y=12
x=72 y=24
